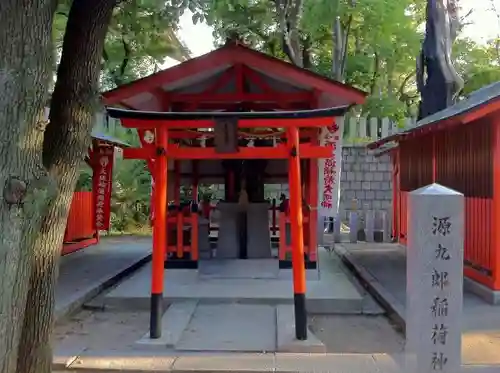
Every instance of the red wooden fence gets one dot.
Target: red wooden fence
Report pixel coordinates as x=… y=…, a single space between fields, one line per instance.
x=80 y=230
x=463 y=161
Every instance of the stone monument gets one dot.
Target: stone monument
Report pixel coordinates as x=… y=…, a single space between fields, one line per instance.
x=434 y=280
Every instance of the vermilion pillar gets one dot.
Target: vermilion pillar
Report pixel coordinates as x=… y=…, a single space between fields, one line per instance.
x=159 y=232
x=298 y=265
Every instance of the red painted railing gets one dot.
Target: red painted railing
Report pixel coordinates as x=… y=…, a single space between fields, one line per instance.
x=185 y=240
x=285 y=246
x=80 y=230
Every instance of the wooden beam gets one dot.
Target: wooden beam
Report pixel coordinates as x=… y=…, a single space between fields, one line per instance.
x=242 y=123
x=257 y=80
x=288 y=72
x=193 y=134
x=163 y=98
x=282 y=97
x=279 y=152
x=139 y=153
x=169 y=102
x=246 y=106
x=240 y=79
x=220 y=83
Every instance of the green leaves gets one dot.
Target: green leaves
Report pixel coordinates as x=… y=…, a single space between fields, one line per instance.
x=142 y=33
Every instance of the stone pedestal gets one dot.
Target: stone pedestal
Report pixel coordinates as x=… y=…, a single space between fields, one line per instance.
x=370 y=226
x=337 y=223
x=259 y=236
x=227 y=244
x=434 y=280
x=353 y=226
x=204 y=249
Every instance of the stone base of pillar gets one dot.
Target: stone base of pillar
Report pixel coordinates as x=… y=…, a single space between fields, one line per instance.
x=180 y=263
x=308 y=264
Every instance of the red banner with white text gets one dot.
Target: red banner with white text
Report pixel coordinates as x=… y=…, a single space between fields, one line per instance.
x=102 y=182
x=329 y=170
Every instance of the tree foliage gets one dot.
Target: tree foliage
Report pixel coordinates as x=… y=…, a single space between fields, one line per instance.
x=142 y=33
x=371 y=44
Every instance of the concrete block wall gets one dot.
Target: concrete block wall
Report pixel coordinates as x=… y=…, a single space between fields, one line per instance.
x=366 y=179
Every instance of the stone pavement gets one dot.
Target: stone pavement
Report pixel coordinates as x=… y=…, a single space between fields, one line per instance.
x=139 y=362
x=382 y=268
x=85 y=273
x=255 y=281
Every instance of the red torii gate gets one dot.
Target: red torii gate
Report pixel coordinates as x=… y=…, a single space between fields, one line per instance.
x=293 y=150
x=175 y=105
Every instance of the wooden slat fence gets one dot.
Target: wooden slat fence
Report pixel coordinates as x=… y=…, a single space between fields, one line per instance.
x=363 y=130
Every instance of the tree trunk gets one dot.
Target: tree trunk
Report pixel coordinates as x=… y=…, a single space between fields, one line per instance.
x=25 y=55
x=289 y=12
x=73 y=106
x=438 y=82
x=337 y=56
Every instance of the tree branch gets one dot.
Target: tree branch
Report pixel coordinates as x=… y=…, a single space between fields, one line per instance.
x=346 y=44
x=405 y=81
x=126 y=57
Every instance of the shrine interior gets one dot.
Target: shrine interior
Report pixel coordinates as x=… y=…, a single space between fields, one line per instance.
x=257 y=236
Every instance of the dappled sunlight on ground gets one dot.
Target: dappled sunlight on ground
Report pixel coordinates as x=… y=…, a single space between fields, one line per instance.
x=481 y=347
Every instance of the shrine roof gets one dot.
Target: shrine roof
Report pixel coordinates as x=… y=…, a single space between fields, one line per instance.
x=196 y=75
x=478 y=104
x=110 y=140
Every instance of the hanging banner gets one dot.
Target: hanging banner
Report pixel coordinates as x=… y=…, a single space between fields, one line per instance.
x=102 y=185
x=329 y=170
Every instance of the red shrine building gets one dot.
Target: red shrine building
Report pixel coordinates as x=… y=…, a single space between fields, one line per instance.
x=458 y=147
x=240 y=118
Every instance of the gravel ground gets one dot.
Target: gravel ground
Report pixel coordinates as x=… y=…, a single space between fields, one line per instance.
x=357 y=334
x=340 y=333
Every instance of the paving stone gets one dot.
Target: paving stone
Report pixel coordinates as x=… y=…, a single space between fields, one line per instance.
x=137 y=361
x=326 y=363
x=174 y=322
x=227 y=363
x=286 y=341
x=230 y=327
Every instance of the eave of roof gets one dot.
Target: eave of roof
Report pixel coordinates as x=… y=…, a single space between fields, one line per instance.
x=96 y=135
x=465 y=111
x=384 y=149
x=180 y=116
